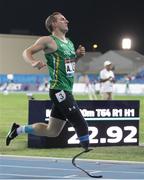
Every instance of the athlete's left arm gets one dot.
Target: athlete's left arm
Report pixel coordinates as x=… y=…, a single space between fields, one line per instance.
x=80 y=52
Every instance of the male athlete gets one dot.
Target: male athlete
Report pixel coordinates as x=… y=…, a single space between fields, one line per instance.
x=61 y=58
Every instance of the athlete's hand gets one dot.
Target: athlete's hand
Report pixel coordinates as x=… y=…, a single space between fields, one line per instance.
x=80 y=51
x=38 y=64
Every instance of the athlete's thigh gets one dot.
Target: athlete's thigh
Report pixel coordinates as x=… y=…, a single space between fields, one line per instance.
x=55 y=112
x=64 y=101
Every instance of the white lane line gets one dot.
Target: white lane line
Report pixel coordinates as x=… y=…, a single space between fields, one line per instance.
x=31 y=176
x=126 y=172
x=70 y=176
x=68 y=169
x=57 y=177
x=121 y=172
x=92 y=172
x=67 y=159
x=47 y=168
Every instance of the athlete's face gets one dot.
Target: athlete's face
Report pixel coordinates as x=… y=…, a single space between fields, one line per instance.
x=61 y=23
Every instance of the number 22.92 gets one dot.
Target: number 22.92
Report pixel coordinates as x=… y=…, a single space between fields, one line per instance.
x=114 y=135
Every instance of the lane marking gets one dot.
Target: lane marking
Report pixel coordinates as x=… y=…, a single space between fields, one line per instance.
x=32 y=176
x=47 y=168
x=27 y=158
x=70 y=176
x=57 y=177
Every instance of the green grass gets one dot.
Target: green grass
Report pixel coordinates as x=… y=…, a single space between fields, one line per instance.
x=14 y=107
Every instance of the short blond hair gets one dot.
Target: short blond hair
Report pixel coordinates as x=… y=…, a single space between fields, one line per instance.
x=49 y=20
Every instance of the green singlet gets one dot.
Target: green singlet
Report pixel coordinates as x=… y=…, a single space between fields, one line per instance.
x=61 y=65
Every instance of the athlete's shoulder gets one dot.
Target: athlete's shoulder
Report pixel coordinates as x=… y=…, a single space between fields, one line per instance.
x=45 y=39
x=48 y=42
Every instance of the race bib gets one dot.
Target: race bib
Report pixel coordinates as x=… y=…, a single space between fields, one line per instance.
x=61 y=96
x=70 y=67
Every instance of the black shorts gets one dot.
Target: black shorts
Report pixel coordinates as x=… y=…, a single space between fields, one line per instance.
x=63 y=101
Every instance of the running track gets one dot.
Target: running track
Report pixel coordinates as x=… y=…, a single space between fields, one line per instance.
x=20 y=167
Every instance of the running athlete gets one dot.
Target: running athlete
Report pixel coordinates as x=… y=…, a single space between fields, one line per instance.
x=61 y=59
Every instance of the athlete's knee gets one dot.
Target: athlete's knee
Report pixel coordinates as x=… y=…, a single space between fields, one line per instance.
x=52 y=133
x=54 y=127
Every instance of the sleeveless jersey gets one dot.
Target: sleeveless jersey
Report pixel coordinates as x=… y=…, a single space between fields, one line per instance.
x=61 y=65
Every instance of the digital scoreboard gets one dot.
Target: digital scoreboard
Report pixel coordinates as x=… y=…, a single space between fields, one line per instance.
x=110 y=123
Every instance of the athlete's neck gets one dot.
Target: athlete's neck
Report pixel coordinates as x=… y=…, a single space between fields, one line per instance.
x=60 y=36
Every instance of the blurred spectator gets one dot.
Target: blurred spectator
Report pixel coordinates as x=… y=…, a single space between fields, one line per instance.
x=127 y=80
x=107 y=78
x=89 y=86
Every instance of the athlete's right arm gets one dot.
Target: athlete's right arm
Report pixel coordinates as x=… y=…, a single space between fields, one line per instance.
x=42 y=43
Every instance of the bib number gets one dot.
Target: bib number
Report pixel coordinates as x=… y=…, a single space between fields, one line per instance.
x=61 y=96
x=70 y=67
